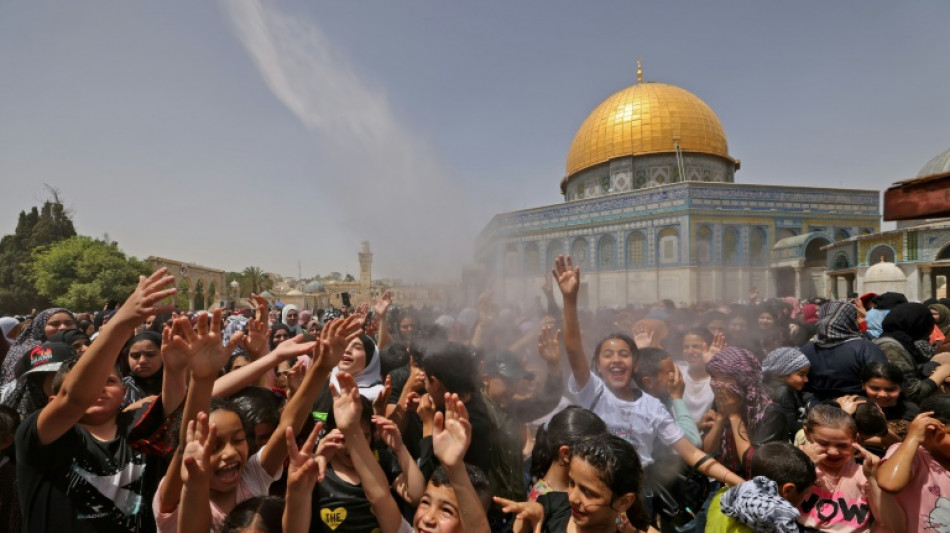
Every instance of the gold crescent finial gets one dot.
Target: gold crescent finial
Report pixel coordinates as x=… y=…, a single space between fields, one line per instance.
x=639 y=70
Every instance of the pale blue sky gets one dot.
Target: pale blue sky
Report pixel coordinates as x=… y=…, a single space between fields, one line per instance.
x=234 y=133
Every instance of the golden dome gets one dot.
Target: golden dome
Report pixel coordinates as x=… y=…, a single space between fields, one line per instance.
x=646 y=118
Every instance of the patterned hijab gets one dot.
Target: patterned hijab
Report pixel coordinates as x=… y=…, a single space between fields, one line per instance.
x=742 y=366
x=837 y=324
x=31 y=337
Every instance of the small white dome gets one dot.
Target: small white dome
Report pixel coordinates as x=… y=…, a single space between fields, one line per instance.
x=884 y=272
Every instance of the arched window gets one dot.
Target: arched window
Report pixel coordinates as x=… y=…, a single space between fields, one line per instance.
x=784 y=233
x=555 y=248
x=842 y=234
x=840 y=262
x=532 y=257
x=758 y=247
x=881 y=252
x=606 y=253
x=731 y=251
x=703 y=249
x=579 y=252
x=636 y=249
x=668 y=246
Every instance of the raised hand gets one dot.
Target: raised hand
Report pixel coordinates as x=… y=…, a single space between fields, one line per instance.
x=816 y=452
x=850 y=403
x=379 y=404
x=295 y=377
x=426 y=409
x=451 y=432
x=549 y=344
x=206 y=354
x=146 y=299
x=293 y=348
x=388 y=431
x=718 y=343
x=347 y=405
x=643 y=338
x=329 y=445
x=568 y=276
x=381 y=306
x=529 y=516
x=174 y=358
x=677 y=383
x=333 y=341
x=199 y=445
x=260 y=305
x=304 y=470
x=256 y=338
x=486 y=309
x=923 y=424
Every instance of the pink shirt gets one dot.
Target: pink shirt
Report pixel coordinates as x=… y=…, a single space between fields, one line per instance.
x=254 y=482
x=926 y=498
x=839 y=506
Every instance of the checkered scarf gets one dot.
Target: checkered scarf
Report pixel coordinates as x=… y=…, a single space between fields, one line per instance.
x=758 y=505
x=837 y=324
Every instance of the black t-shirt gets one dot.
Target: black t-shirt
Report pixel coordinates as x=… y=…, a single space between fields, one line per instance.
x=339 y=507
x=557 y=512
x=78 y=483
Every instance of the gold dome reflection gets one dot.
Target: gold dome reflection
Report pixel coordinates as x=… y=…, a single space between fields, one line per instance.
x=646 y=118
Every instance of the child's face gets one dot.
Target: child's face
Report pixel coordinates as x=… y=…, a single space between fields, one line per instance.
x=694 y=350
x=883 y=392
x=230 y=451
x=108 y=403
x=663 y=378
x=797 y=380
x=354 y=358
x=616 y=364
x=145 y=359
x=836 y=443
x=590 y=498
x=438 y=511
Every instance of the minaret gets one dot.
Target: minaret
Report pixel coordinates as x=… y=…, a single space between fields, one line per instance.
x=366 y=271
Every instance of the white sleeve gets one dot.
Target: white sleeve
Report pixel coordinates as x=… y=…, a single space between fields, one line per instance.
x=256 y=478
x=591 y=392
x=666 y=428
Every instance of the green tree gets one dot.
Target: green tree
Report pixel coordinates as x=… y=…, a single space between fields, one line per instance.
x=38 y=227
x=81 y=273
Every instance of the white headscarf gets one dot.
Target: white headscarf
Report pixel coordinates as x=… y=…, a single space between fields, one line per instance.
x=296 y=329
x=369 y=379
x=7 y=324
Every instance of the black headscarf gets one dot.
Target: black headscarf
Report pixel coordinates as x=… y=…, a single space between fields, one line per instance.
x=889 y=300
x=907 y=323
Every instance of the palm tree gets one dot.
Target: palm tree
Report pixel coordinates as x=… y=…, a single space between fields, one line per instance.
x=254 y=279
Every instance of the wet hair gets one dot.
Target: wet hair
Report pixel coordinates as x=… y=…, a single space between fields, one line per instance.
x=237 y=353
x=476 y=476
x=648 y=366
x=619 y=466
x=882 y=370
x=783 y=463
x=620 y=337
x=870 y=420
x=829 y=415
x=221 y=404
x=940 y=405
x=256 y=405
x=263 y=512
x=567 y=428
x=397 y=355
x=702 y=333
x=68 y=365
x=454 y=366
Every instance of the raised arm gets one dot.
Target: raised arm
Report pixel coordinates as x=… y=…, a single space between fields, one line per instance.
x=206 y=355
x=380 y=309
x=84 y=383
x=568 y=279
x=326 y=354
x=410 y=484
x=451 y=436
x=895 y=473
x=195 y=513
x=347 y=407
x=251 y=373
x=303 y=473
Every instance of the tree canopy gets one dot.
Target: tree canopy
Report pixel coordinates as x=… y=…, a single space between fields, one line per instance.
x=81 y=273
x=38 y=227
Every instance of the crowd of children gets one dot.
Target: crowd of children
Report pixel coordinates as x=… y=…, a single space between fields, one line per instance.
x=773 y=415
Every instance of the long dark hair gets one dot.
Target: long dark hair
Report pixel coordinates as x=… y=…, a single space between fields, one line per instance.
x=567 y=428
x=264 y=512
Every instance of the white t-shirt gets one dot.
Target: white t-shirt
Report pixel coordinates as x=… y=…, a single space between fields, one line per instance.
x=641 y=422
x=698 y=395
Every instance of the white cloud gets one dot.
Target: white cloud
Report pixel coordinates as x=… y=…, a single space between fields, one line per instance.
x=392 y=188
